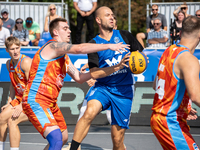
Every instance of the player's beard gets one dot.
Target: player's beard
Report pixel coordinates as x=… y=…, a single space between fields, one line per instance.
x=106 y=27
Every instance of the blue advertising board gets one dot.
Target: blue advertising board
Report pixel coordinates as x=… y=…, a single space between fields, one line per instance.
x=81 y=59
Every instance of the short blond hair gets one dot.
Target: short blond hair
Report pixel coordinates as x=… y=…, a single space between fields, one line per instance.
x=10 y=41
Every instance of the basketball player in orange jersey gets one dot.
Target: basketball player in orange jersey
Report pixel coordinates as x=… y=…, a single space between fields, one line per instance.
x=48 y=69
x=11 y=115
x=176 y=82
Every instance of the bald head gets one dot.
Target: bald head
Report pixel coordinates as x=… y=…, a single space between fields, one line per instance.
x=100 y=10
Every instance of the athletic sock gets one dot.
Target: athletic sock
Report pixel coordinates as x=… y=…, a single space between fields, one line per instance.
x=14 y=148
x=74 y=145
x=2 y=145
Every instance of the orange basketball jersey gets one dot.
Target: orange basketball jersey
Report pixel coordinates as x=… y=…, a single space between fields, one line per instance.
x=171 y=105
x=171 y=98
x=46 y=78
x=18 y=80
x=45 y=81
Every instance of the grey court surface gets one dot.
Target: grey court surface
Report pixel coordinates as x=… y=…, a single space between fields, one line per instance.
x=98 y=138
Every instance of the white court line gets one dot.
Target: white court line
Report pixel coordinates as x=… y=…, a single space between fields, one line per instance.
x=44 y=144
x=104 y=133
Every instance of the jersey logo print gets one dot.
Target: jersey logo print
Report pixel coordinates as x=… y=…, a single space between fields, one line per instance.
x=161 y=67
x=60 y=80
x=19 y=88
x=125 y=120
x=114 y=61
x=116 y=39
x=19 y=76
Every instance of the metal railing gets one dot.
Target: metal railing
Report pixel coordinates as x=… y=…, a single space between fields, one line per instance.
x=167 y=9
x=36 y=10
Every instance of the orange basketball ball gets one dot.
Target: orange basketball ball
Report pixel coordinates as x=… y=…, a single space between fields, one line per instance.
x=137 y=62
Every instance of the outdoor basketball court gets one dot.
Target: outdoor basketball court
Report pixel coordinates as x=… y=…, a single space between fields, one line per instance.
x=98 y=138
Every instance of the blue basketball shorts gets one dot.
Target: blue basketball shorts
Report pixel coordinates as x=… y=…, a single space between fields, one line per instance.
x=120 y=104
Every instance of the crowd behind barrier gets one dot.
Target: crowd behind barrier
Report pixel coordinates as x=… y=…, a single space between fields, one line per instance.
x=38 y=10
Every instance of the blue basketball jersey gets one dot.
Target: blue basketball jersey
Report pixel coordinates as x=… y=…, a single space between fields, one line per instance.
x=110 y=58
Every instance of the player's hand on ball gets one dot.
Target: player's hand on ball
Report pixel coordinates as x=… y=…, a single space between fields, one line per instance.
x=124 y=61
x=145 y=55
x=119 y=47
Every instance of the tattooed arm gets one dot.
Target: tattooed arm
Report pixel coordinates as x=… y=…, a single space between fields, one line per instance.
x=57 y=49
x=63 y=48
x=76 y=75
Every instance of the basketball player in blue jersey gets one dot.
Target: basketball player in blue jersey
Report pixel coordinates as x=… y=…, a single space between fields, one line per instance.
x=115 y=85
x=91 y=83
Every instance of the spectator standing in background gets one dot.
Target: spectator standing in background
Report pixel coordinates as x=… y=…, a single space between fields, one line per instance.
x=7 y=22
x=157 y=37
x=85 y=12
x=21 y=33
x=149 y=24
x=34 y=30
x=177 y=25
x=51 y=14
x=4 y=33
x=182 y=7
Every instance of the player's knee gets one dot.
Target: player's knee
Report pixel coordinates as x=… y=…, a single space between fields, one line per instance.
x=55 y=140
x=11 y=123
x=140 y=36
x=89 y=114
x=117 y=141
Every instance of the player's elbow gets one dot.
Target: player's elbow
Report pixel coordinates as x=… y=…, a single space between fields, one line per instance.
x=78 y=80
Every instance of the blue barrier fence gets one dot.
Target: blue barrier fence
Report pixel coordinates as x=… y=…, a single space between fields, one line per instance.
x=81 y=59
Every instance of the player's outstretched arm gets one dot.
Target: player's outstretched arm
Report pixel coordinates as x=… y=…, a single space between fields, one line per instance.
x=103 y=72
x=63 y=48
x=189 y=69
x=76 y=75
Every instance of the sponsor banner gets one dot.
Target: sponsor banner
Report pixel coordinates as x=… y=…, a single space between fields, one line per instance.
x=72 y=95
x=81 y=59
